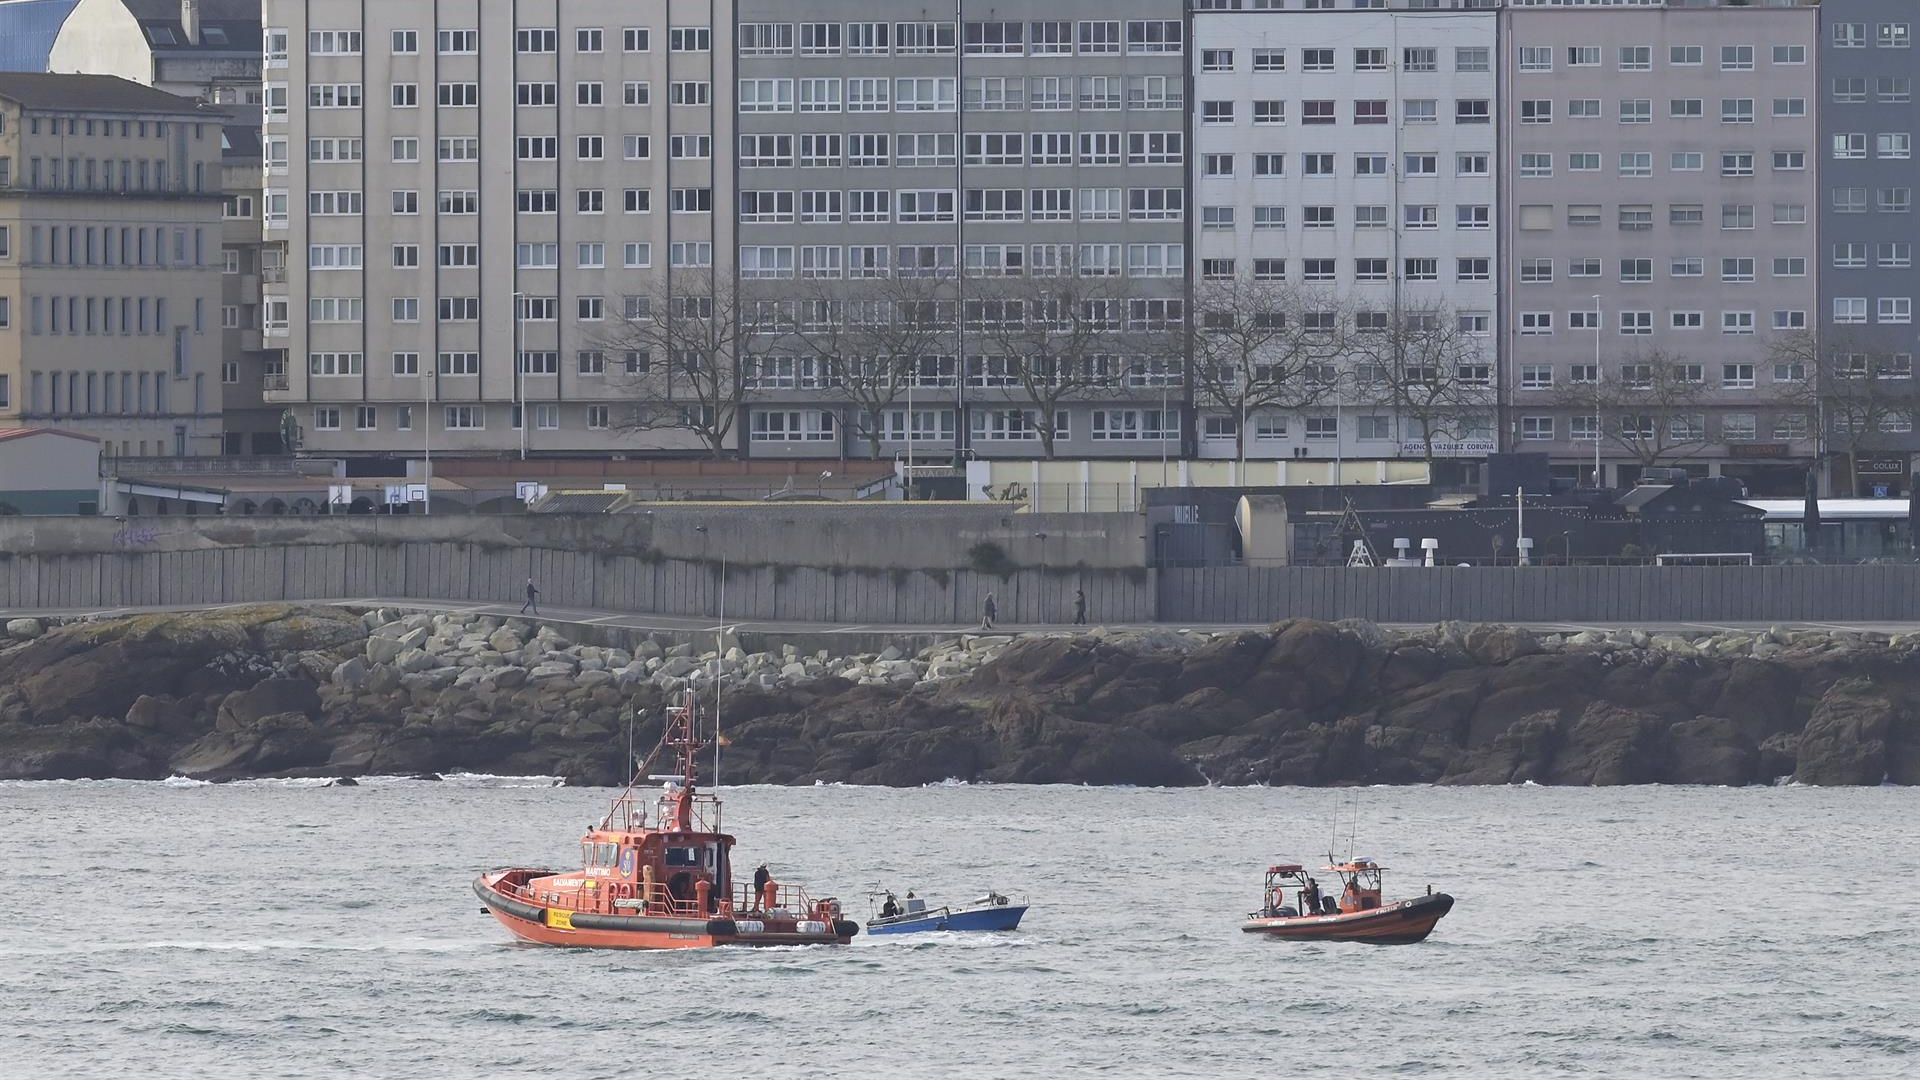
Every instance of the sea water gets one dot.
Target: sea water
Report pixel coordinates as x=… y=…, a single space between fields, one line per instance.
x=290 y=930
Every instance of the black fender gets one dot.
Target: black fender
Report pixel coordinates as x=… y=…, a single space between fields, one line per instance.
x=519 y=909
x=846 y=928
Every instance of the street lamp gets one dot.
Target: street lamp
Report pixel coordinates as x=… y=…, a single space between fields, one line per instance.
x=427 y=383
x=1596 y=391
x=519 y=372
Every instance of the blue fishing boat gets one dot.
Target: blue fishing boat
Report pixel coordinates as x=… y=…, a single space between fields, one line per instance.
x=991 y=912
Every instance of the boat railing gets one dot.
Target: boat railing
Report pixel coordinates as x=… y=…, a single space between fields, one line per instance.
x=786 y=897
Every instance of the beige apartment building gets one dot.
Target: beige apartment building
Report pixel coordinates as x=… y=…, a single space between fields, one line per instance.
x=110 y=239
x=470 y=195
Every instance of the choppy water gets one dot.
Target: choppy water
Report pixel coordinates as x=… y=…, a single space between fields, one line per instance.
x=282 y=930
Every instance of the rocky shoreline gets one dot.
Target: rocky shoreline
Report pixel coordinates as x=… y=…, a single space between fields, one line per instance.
x=282 y=690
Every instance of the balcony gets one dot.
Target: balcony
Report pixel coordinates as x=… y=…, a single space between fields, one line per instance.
x=271 y=383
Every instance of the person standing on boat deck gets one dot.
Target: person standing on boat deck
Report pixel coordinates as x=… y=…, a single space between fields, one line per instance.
x=1079 y=607
x=891 y=908
x=987 y=613
x=1310 y=897
x=533 y=599
x=760 y=879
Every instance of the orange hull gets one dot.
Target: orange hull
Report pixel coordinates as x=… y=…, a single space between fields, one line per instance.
x=568 y=928
x=1401 y=923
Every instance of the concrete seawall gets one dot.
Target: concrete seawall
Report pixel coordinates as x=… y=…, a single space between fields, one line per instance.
x=651 y=583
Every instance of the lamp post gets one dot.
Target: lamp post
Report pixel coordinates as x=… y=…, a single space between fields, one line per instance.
x=427 y=383
x=519 y=365
x=1163 y=428
x=1596 y=391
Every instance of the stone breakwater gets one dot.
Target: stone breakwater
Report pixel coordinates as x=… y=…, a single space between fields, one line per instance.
x=285 y=690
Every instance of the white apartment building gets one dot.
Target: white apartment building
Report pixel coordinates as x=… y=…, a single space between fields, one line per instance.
x=1348 y=158
x=469 y=194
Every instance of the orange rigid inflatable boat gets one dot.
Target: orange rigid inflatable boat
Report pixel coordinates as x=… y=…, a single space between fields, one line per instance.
x=664 y=883
x=1357 y=915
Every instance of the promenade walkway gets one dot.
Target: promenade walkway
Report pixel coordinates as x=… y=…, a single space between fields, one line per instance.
x=678 y=624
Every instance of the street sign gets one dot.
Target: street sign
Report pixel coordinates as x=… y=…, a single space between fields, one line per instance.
x=396 y=494
x=416 y=493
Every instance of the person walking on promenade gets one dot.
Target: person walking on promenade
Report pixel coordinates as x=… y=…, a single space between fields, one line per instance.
x=533 y=599
x=987 y=613
x=1079 y=607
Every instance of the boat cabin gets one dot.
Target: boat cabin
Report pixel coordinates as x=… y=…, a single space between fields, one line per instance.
x=1360 y=884
x=1290 y=891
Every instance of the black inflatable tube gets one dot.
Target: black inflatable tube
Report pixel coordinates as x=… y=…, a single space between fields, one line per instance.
x=516 y=908
x=652 y=924
x=846 y=928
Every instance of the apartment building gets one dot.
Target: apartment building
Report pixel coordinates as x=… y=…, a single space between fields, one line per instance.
x=964 y=167
x=1345 y=168
x=1867 y=279
x=109 y=263
x=1659 y=236
x=469 y=194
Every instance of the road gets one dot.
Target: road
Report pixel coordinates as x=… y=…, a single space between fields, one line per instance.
x=692 y=624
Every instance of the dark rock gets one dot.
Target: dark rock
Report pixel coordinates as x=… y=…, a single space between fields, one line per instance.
x=1845 y=741
x=344 y=781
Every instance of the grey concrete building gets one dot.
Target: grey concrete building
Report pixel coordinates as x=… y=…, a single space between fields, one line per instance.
x=1659 y=235
x=1867 y=277
x=1345 y=159
x=975 y=166
x=468 y=195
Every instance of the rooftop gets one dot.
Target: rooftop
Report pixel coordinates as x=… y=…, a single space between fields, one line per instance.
x=90 y=93
x=21 y=433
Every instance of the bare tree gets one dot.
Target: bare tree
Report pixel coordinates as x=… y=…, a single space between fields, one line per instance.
x=1260 y=345
x=1051 y=339
x=1854 y=392
x=675 y=353
x=1653 y=410
x=1426 y=365
x=870 y=340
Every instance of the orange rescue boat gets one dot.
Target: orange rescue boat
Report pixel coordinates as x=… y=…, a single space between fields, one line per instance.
x=1357 y=915
x=664 y=883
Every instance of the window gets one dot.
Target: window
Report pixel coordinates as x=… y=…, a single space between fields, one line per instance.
x=1476 y=58
x=1849 y=309
x=1316 y=59
x=1636 y=58
x=1790 y=107
x=1736 y=58
x=1736 y=110
x=1738 y=323
x=1636 y=271
x=1683 y=108
x=1636 y=163
x=1897 y=145
x=1472 y=164
x=1736 y=269
x=1583 y=108
x=1736 y=164
x=1687 y=267
x=1894 y=310
x=1536 y=166
x=1536 y=428
x=1534 y=58
x=1536 y=111
x=1685 y=55
x=1636 y=111
x=1582 y=161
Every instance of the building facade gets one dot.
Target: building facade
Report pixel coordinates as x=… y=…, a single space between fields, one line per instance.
x=1659 y=237
x=962 y=179
x=468 y=195
x=1867 y=278
x=110 y=263
x=204 y=50
x=1345 y=162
